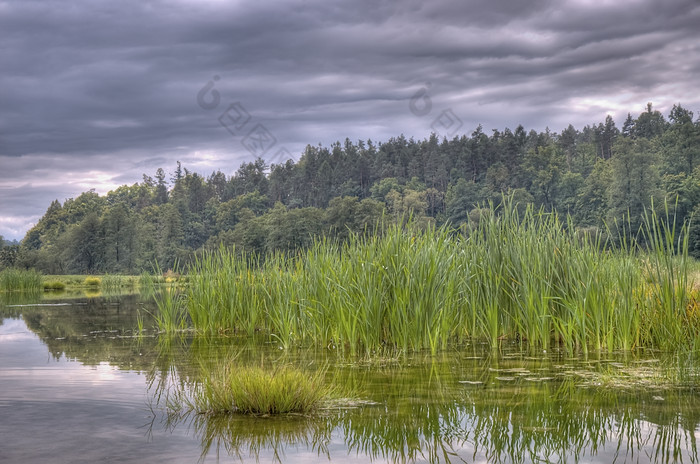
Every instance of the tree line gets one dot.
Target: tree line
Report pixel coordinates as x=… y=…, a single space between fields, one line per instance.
x=600 y=176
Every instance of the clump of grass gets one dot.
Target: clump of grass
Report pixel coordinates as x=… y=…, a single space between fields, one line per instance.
x=92 y=281
x=54 y=285
x=146 y=280
x=259 y=391
x=171 y=314
x=111 y=283
x=18 y=280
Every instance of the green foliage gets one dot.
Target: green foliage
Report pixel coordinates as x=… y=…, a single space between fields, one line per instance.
x=92 y=281
x=54 y=285
x=634 y=183
x=19 y=280
x=114 y=283
x=523 y=277
x=256 y=390
x=171 y=313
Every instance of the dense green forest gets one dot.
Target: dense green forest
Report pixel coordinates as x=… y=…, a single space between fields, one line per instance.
x=601 y=176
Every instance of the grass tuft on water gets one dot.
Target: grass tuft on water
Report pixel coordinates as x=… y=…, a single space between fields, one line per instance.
x=259 y=391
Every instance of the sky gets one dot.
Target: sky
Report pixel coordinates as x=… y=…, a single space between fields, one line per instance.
x=95 y=93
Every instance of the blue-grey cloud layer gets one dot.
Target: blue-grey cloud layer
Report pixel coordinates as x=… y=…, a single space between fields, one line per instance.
x=97 y=92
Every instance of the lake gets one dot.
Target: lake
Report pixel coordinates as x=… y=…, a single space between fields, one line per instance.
x=78 y=384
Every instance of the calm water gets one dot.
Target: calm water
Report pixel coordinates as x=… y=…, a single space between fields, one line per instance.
x=77 y=386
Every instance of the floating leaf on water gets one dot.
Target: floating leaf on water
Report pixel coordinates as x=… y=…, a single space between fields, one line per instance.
x=38 y=304
x=538 y=379
x=471 y=382
x=514 y=370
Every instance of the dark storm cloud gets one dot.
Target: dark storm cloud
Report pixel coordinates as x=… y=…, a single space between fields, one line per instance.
x=95 y=93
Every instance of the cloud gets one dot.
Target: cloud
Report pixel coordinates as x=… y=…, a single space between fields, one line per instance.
x=96 y=93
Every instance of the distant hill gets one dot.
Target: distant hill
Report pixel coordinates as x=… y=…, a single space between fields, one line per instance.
x=598 y=175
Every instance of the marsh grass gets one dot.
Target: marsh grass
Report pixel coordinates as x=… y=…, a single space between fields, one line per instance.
x=519 y=276
x=115 y=283
x=92 y=281
x=18 y=280
x=171 y=315
x=146 y=280
x=230 y=388
x=54 y=285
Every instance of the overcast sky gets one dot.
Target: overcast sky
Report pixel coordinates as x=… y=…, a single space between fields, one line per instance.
x=95 y=93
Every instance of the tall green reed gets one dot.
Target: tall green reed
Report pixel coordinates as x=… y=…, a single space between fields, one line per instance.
x=171 y=314
x=666 y=268
x=510 y=276
x=19 y=280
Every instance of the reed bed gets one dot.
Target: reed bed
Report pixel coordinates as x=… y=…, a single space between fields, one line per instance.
x=18 y=280
x=114 y=283
x=524 y=277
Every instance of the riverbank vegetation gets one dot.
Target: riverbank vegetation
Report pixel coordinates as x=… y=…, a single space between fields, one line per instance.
x=507 y=276
x=19 y=280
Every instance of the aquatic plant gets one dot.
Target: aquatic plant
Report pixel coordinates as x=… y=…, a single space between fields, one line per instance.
x=54 y=285
x=527 y=277
x=92 y=281
x=146 y=280
x=450 y=408
x=255 y=390
x=171 y=313
x=112 y=283
x=19 y=280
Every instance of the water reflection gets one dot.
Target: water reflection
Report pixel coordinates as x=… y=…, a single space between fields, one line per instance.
x=470 y=405
x=422 y=412
x=520 y=430
x=260 y=437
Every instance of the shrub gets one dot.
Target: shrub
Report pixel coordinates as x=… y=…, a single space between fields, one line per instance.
x=54 y=285
x=92 y=281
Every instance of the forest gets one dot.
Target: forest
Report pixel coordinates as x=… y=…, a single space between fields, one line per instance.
x=602 y=177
